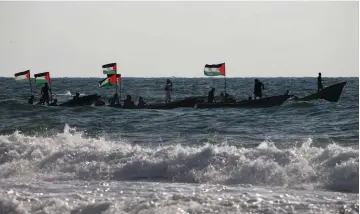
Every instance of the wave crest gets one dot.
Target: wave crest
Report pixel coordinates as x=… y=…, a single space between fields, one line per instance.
x=69 y=155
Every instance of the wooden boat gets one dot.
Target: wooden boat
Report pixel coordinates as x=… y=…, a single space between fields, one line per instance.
x=82 y=101
x=331 y=93
x=260 y=103
x=189 y=102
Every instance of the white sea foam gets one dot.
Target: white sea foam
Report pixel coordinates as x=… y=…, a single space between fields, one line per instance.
x=69 y=155
x=68 y=173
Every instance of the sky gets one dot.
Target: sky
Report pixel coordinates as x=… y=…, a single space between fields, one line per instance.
x=176 y=39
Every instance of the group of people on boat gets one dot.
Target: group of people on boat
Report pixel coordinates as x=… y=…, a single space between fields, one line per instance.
x=45 y=97
x=258 y=88
x=129 y=103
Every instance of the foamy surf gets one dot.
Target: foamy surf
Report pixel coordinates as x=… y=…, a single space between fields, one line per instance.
x=69 y=155
x=72 y=174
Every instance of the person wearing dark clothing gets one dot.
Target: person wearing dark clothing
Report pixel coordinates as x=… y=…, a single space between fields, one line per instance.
x=319 y=83
x=114 y=100
x=77 y=96
x=31 y=100
x=41 y=102
x=229 y=99
x=249 y=98
x=141 y=102
x=54 y=103
x=211 y=95
x=259 y=86
x=128 y=103
x=45 y=93
x=168 y=91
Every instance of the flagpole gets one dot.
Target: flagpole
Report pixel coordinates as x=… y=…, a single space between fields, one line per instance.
x=120 y=87
x=225 y=84
x=50 y=92
x=30 y=87
x=116 y=86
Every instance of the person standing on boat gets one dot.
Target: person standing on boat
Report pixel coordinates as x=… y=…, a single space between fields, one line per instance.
x=168 y=90
x=211 y=95
x=45 y=93
x=258 y=87
x=319 y=83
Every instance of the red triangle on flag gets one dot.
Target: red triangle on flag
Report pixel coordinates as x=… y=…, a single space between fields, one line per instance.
x=222 y=69
x=47 y=77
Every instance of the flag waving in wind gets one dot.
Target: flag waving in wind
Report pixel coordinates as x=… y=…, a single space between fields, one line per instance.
x=42 y=78
x=110 y=68
x=23 y=75
x=110 y=80
x=215 y=70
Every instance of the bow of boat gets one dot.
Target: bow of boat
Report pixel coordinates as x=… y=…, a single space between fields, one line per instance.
x=331 y=93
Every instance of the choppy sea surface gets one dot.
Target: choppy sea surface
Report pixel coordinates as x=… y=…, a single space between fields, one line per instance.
x=301 y=157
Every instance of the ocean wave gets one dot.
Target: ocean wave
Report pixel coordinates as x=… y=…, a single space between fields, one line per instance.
x=70 y=155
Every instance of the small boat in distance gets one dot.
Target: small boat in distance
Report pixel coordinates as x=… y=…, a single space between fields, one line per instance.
x=331 y=93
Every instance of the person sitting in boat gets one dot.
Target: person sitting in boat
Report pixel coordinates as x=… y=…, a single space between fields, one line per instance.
x=258 y=87
x=128 y=103
x=114 y=100
x=31 y=100
x=290 y=97
x=77 y=96
x=229 y=99
x=54 y=103
x=211 y=95
x=41 y=102
x=141 y=102
x=168 y=90
x=45 y=93
x=319 y=83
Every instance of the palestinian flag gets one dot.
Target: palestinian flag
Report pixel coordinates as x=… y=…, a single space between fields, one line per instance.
x=118 y=77
x=109 y=68
x=215 y=70
x=110 y=80
x=23 y=75
x=42 y=78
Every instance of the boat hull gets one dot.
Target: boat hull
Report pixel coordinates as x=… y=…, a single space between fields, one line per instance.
x=184 y=103
x=266 y=102
x=82 y=101
x=331 y=93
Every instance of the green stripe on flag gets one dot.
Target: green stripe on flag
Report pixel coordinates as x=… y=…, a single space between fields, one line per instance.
x=39 y=81
x=213 y=73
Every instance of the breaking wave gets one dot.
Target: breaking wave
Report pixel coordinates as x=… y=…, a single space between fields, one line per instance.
x=69 y=155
